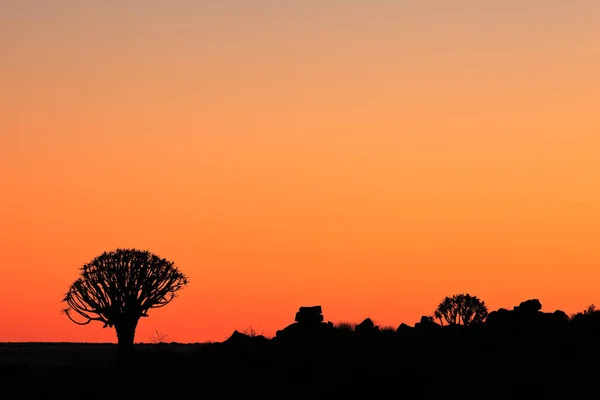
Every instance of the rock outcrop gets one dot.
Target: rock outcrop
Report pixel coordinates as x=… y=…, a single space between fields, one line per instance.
x=404 y=329
x=239 y=339
x=528 y=315
x=427 y=323
x=309 y=325
x=366 y=328
x=309 y=315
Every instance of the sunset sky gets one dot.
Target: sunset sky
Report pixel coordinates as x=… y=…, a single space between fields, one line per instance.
x=367 y=156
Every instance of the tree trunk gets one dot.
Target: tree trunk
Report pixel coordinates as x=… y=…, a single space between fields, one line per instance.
x=125 y=340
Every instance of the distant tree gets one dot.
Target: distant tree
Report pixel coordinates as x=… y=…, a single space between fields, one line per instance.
x=119 y=287
x=461 y=309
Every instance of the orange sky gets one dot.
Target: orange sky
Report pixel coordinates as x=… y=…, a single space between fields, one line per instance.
x=370 y=157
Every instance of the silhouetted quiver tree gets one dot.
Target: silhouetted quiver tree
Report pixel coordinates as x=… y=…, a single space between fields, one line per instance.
x=118 y=287
x=461 y=309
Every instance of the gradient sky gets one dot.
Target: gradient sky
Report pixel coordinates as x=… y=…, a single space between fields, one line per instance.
x=368 y=156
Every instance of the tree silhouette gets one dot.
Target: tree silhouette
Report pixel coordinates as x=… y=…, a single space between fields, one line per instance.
x=461 y=309
x=120 y=286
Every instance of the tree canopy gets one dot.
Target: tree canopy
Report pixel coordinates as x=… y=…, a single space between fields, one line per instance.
x=120 y=286
x=461 y=309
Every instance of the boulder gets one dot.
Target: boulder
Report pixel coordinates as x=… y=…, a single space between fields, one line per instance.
x=309 y=325
x=529 y=306
x=366 y=327
x=427 y=322
x=309 y=315
x=404 y=328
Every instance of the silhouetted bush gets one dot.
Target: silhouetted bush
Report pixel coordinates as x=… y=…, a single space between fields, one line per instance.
x=345 y=326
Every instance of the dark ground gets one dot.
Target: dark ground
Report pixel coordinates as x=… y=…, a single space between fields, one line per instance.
x=393 y=366
x=516 y=354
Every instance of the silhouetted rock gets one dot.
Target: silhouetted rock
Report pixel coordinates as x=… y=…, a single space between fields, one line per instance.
x=529 y=306
x=527 y=315
x=499 y=317
x=239 y=339
x=309 y=325
x=309 y=315
x=560 y=315
x=427 y=322
x=367 y=327
x=404 y=328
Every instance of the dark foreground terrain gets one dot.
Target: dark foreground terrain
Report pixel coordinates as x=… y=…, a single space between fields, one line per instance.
x=516 y=354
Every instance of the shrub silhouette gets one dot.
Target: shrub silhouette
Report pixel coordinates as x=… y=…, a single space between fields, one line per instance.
x=158 y=338
x=250 y=331
x=118 y=287
x=461 y=309
x=590 y=318
x=345 y=326
x=590 y=310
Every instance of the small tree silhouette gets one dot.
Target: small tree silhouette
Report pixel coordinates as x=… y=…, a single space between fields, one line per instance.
x=461 y=309
x=249 y=331
x=158 y=338
x=118 y=287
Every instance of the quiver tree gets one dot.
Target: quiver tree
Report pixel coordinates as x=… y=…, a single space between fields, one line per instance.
x=461 y=309
x=120 y=286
